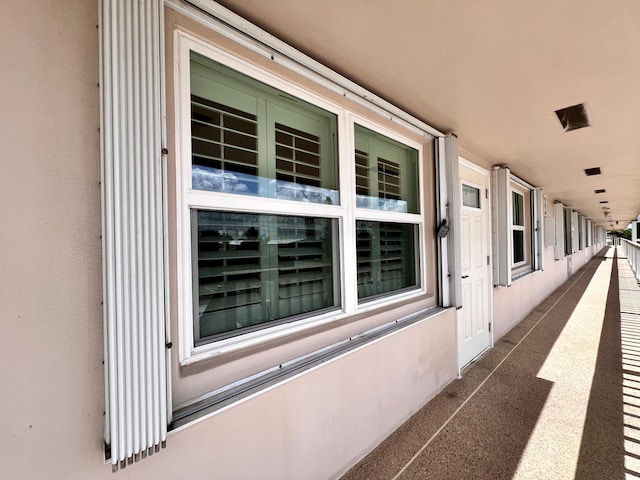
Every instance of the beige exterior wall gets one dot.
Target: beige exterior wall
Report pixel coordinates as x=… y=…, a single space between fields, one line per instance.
x=511 y=304
x=313 y=426
x=316 y=425
x=190 y=381
x=51 y=405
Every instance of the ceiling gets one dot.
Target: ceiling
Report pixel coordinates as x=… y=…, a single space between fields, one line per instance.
x=494 y=72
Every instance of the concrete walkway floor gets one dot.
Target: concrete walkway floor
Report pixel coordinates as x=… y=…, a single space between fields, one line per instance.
x=558 y=397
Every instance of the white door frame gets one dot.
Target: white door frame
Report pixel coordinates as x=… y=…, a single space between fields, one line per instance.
x=472 y=166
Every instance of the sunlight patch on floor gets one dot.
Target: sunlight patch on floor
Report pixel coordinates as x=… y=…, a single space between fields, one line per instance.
x=554 y=445
x=630 y=339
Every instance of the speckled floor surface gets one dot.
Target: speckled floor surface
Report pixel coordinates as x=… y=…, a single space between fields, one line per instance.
x=545 y=403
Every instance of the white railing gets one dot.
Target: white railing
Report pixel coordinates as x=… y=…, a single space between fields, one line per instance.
x=632 y=251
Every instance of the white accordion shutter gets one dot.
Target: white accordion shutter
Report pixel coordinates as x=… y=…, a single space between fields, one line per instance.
x=558 y=213
x=136 y=342
x=538 y=225
x=501 y=206
x=454 y=201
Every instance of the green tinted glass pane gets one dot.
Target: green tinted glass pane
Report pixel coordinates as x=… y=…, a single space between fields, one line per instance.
x=385 y=257
x=386 y=173
x=249 y=138
x=252 y=270
x=470 y=196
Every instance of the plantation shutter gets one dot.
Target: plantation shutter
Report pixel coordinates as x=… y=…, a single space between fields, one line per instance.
x=229 y=286
x=304 y=266
x=223 y=139
x=385 y=249
x=252 y=269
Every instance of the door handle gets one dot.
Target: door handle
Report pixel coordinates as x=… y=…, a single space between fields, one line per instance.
x=465 y=276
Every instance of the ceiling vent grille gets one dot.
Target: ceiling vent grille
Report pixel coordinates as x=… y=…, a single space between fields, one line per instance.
x=592 y=171
x=574 y=117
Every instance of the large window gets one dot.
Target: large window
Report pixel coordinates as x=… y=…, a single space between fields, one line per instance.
x=281 y=225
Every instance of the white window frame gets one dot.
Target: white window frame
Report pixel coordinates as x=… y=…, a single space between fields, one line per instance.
x=521 y=228
x=504 y=184
x=370 y=214
x=345 y=213
x=477 y=187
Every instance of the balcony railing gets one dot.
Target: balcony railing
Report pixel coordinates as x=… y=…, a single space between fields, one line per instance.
x=632 y=252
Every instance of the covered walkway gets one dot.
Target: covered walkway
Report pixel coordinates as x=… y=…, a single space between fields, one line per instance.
x=558 y=396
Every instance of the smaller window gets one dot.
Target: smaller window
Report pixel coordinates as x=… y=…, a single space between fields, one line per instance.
x=386 y=173
x=470 y=196
x=518 y=228
x=249 y=138
x=517 y=208
x=386 y=258
x=580 y=232
x=568 y=234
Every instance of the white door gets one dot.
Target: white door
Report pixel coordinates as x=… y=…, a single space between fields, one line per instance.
x=474 y=318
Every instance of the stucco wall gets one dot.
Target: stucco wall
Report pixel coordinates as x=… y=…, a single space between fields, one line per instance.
x=511 y=304
x=51 y=347
x=317 y=424
x=50 y=253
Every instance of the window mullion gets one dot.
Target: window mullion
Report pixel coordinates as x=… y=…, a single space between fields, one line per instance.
x=266 y=144
x=348 y=200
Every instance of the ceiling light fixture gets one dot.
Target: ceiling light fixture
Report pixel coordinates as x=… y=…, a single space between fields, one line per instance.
x=574 y=117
